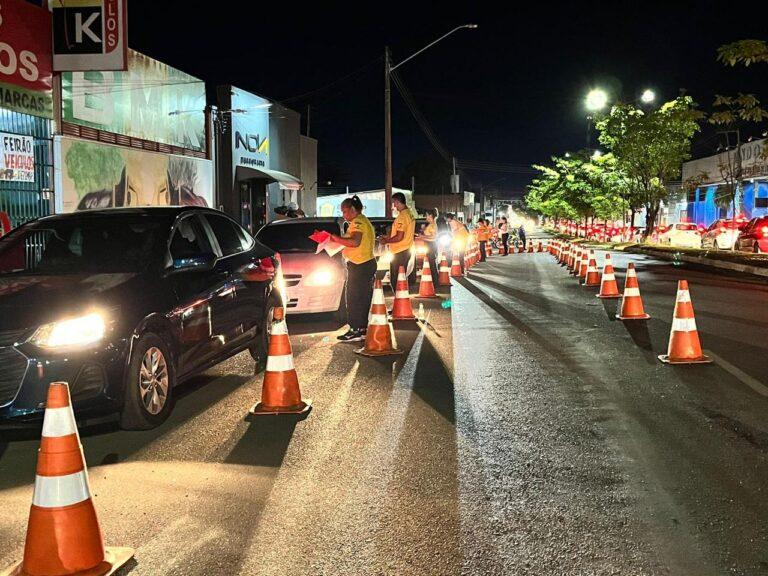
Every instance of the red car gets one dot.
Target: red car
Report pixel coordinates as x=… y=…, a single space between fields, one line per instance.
x=754 y=236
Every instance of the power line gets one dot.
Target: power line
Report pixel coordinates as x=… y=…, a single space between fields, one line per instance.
x=331 y=84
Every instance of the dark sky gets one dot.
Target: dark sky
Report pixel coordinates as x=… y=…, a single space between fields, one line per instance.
x=511 y=91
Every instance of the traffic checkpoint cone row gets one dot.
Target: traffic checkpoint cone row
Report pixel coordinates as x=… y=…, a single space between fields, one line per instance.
x=530 y=247
x=583 y=264
x=401 y=308
x=631 y=302
x=280 y=392
x=456 y=266
x=426 y=286
x=540 y=247
x=593 y=274
x=684 y=345
x=378 y=339
x=608 y=286
x=63 y=533
x=444 y=276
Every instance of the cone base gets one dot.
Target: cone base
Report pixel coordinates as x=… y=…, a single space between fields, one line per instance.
x=376 y=353
x=643 y=317
x=593 y=285
x=403 y=318
x=427 y=297
x=609 y=296
x=114 y=559
x=260 y=409
x=701 y=360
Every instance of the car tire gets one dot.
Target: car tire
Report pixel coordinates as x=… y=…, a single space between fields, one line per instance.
x=715 y=247
x=341 y=314
x=149 y=384
x=756 y=248
x=260 y=345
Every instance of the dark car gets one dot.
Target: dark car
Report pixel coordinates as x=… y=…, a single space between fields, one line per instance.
x=754 y=236
x=125 y=303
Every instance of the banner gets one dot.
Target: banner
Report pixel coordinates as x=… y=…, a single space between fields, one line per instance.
x=151 y=101
x=17 y=158
x=95 y=175
x=250 y=130
x=89 y=35
x=25 y=59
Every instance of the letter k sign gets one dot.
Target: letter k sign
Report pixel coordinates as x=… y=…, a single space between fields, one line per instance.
x=85 y=27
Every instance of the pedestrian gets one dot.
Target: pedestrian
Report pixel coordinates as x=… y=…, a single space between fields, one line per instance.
x=460 y=239
x=402 y=238
x=504 y=231
x=358 y=245
x=483 y=235
x=521 y=234
x=429 y=236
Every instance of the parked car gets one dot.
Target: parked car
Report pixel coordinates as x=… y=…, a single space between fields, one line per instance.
x=124 y=304
x=722 y=234
x=682 y=234
x=314 y=283
x=754 y=236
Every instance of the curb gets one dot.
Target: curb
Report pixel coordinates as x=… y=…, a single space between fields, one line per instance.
x=703 y=261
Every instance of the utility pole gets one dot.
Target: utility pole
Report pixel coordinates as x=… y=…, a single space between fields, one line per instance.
x=387 y=135
x=309 y=118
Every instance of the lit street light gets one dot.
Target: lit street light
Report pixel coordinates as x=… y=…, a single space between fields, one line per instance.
x=596 y=154
x=596 y=100
x=648 y=96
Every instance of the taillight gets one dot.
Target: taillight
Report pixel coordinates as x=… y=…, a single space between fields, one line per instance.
x=722 y=230
x=267 y=265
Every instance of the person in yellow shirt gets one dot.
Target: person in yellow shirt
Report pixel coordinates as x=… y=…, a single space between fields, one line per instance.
x=358 y=245
x=401 y=240
x=460 y=238
x=483 y=235
x=429 y=236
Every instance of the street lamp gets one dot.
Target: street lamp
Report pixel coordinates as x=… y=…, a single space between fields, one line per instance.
x=648 y=96
x=595 y=101
x=388 y=69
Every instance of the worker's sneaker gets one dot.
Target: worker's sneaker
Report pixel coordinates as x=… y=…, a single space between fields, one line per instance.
x=352 y=336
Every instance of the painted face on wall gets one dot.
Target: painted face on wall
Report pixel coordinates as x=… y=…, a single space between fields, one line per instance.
x=147 y=181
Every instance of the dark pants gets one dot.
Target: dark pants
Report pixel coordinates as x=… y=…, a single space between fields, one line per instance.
x=522 y=239
x=483 y=244
x=359 y=292
x=504 y=243
x=432 y=257
x=399 y=259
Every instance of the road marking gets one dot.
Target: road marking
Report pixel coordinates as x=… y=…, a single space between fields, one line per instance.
x=753 y=383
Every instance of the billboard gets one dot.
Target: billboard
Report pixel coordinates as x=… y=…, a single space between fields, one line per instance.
x=250 y=130
x=150 y=100
x=25 y=59
x=95 y=175
x=17 y=158
x=89 y=34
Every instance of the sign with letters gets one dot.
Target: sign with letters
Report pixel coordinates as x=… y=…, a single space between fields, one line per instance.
x=250 y=130
x=89 y=35
x=17 y=158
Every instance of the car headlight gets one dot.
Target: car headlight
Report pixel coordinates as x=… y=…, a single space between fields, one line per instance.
x=322 y=277
x=421 y=250
x=71 y=333
x=444 y=240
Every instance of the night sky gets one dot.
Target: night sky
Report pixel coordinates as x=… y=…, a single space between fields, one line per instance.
x=510 y=92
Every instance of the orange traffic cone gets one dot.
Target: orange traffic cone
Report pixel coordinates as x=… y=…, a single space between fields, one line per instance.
x=540 y=247
x=608 y=286
x=401 y=308
x=563 y=256
x=631 y=303
x=572 y=258
x=684 y=346
x=593 y=274
x=456 y=267
x=63 y=534
x=280 y=393
x=583 y=264
x=426 y=286
x=444 y=277
x=378 y=338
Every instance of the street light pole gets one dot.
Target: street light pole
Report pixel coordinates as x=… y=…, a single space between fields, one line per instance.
x=387 y=133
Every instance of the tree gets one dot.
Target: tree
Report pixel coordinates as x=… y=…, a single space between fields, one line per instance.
x=650 y=147
x=743 y=52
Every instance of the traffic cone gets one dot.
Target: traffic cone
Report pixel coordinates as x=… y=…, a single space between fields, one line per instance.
x=455 y=267
x=584 y=264
x=564 y=254
x=572 y=258
x=540 y=247
x=280 y=393
x=593 y=274
x=426 y=286
x=401 y=308
x=378 y=338
x=444 y=277
x=631 y=302
x=684 y=346
x=608 y=286
x=63 y=534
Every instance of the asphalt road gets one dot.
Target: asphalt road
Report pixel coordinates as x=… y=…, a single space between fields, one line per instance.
x=525 y=431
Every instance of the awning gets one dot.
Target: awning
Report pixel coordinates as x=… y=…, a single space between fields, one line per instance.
x=286 y=181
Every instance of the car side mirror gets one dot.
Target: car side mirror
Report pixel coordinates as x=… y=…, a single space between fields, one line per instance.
x=200 y=263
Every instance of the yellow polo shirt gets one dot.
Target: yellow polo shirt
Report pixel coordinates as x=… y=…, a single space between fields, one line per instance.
x=364 y=251
x=407 y=224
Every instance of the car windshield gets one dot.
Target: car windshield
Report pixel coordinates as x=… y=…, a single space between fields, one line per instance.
x=294 y=237
x=82 y=245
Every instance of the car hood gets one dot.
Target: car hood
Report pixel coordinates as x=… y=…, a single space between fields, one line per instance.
x=27 y=301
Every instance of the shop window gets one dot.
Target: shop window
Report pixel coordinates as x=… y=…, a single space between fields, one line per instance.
x=692 y=195
x=761 y=202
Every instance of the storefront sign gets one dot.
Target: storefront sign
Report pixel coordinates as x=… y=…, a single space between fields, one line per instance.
x=17 y=158
x=25 y=58
x=95 y=175
x=89 y=35
x=150 y=101
x=250 y=130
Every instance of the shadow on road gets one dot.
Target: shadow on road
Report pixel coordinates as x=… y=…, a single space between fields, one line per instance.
x=638 y=331
x=265 y=441
x=611 y=307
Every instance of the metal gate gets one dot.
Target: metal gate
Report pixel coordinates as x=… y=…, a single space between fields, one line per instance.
x=24 y=201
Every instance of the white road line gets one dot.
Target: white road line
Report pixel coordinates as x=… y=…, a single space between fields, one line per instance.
x=753 y=383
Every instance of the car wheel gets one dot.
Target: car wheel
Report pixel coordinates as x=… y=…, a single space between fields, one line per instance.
x=341 y=314
x=260 y=345
x=149 y=385
x=756 y=248
x=715 y=246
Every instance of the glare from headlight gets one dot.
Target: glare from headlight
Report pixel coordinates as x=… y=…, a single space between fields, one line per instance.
x=322 y=277
x=74 y=332
x=444 y=240
x=386 y=258
x=422 y=250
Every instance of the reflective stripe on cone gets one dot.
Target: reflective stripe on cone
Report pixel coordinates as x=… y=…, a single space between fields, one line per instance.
x=684 y=345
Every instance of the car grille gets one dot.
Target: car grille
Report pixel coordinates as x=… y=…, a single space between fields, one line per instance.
x=292 y=280
x=293 y=302
x=12 y=368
